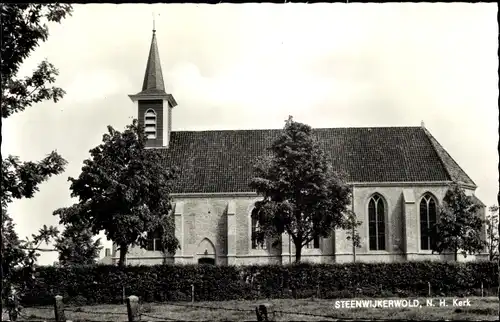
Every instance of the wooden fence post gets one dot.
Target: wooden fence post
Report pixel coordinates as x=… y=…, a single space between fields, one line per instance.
x=133 y=308
x=192 y=293
x=265 y=312
x=59 y=309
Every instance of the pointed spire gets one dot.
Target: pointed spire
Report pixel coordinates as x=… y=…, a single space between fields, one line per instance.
x=153 y=86
x=153 y=78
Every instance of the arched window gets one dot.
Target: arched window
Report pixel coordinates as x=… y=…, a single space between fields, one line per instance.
x=150 y=124
x=428 y=211
x=255 y=232
x=376 y=223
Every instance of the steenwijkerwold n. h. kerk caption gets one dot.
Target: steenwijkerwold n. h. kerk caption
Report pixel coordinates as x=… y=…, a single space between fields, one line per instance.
x=398 y=303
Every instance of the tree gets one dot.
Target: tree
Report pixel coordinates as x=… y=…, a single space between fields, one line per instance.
x=19 y=255
x=123 y=190
x=492 y=233
x=76 y=246
x=353 y=233
x=302 y=195
x=459 y=225
x=23 y=28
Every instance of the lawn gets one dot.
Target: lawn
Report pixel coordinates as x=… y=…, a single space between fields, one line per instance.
x=482 y=309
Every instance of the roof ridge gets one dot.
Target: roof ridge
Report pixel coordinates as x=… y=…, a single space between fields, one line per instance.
x=317 y=128
x=435 y=145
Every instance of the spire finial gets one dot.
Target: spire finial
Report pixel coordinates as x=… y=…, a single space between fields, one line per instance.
x=154 y=26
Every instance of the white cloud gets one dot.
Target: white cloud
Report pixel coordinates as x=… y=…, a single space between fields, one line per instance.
x=92 y=85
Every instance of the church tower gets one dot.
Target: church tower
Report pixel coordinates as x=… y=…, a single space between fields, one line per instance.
x=154 y=105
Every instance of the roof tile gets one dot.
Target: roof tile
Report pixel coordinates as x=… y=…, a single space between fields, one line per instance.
x=222 y=161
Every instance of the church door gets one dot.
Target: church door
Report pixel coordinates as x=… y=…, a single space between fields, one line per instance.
x=206 y=260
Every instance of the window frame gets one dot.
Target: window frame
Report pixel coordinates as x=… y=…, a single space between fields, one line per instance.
x=378 y=199
x=154 y=238
x=427 y=197
x=254 y=228
x=151 y=113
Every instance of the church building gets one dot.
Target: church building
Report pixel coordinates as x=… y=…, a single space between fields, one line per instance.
x=398 y=176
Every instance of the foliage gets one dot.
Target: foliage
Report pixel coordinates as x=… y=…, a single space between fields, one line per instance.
x=492 y=233
x=124 y=190
x=103 y=283
x=19 y=254
x=76 y=246
x=21 y=179
x=459 y=226
x=302 y=195
x=23 y=28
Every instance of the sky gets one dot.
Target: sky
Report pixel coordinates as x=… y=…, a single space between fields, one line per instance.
x=250 y=66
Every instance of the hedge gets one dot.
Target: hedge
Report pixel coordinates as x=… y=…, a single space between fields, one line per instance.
x=105 y=283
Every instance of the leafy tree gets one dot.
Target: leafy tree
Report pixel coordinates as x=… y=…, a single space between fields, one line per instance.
x=23 y=28
x=123 y=189
x=76 y=246
x=459 y=225
x=492 y=233
x=19 y=255
x=302 y=195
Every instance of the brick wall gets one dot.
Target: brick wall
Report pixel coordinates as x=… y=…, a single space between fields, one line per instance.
x=205 y=221
x=158 y=107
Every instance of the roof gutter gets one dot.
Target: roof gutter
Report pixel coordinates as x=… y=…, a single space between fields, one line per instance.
x=352 y=184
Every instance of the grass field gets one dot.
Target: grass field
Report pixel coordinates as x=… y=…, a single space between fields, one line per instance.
x=480 y=309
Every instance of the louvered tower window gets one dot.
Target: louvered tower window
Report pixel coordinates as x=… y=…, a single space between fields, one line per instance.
x=150 y=124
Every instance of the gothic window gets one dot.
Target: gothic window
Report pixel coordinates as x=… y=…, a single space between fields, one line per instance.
x=376 y=223
x=428 y=212
x=150 y=124
x=154 y=241
x=255 y=231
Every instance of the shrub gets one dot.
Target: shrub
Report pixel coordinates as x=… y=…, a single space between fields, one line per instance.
x=105 y=283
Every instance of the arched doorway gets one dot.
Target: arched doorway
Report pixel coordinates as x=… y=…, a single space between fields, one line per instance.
x=206 y=252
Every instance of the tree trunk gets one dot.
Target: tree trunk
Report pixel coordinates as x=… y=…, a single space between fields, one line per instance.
x=455 y=255
x=298 y=252
x=353 y=245
x=123 y=254
x=492 y=247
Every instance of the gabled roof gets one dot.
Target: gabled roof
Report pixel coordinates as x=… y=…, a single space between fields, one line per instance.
x=221 y=161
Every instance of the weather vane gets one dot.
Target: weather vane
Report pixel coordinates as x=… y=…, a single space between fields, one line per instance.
x=154 y=26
